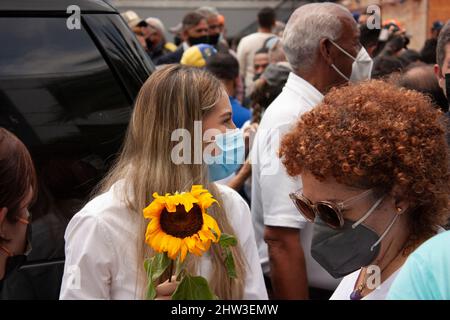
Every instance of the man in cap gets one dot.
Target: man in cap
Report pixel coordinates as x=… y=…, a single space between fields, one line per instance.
x=155 y=35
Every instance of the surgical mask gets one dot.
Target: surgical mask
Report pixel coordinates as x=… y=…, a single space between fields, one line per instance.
x=361 y=67
x=347 y=249
x=231 y=157
x=14 y=262
x=197 y=40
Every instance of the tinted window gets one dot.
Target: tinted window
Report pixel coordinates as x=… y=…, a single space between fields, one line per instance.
x=55 y=81
x=59 y=95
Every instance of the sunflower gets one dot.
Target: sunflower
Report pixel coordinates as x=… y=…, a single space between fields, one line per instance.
x=180 y=224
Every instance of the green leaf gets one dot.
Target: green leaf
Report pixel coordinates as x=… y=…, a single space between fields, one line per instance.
x=193 y=288
x=160 y=262
x=227 y=240
x=151 y=288
x=229 y=263
x=155 y=267
x=151 y=291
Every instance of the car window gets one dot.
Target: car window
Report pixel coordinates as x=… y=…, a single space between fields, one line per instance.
x=58 y=95
x=55 y=82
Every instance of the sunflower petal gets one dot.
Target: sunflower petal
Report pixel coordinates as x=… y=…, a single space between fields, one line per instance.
x=171 y=205
x=153 y=226
x=166 y=241
x=174 y=248
x=153 y=210
x=190 y=242
x=206 y=200
x=207 y=245
x=155 y=242
x=200 y=245
x=183 y=250
x=188 y=201
x=207 y=235
x=196 y=251
x=197 y=189
x=212 y=224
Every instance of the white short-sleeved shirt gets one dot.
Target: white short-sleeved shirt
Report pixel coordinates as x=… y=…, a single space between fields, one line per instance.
x=271 y=185
x=347 y=285
x=246 y=53
x=101 y=249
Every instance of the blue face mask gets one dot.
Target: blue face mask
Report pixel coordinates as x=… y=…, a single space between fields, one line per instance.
x=232 y=155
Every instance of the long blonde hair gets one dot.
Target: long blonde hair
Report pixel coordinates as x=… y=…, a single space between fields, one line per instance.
x=173 y=97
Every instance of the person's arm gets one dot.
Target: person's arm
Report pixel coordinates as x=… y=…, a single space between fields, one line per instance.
x=282 y=221
x=240 y=218
x=241 y=176
x=242 y=58
x=287 y=263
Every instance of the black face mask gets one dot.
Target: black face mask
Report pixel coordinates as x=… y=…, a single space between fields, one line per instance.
x=15 y=262
x=177 y=40
x=198 y=40
x=149 y=44
x=214 y=39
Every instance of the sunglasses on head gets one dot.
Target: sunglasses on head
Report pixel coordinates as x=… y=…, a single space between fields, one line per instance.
x=329 y=212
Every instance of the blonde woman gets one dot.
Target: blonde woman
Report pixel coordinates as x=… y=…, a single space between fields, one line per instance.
x=105 y=248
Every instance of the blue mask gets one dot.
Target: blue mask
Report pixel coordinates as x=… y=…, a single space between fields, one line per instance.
x=230 y=159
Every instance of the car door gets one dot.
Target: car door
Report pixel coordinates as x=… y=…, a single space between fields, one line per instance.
x=68 y=95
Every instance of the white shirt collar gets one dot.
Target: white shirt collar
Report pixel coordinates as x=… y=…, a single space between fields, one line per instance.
x=304 y=88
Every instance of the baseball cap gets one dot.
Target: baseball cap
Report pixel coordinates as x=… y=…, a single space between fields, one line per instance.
x=131 y=18
x=196 y=56
x=437 y=25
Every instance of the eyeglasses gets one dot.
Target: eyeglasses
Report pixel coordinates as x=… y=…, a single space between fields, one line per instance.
x=328 y=211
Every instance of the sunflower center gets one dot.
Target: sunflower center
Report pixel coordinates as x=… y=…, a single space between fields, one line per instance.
x=182 y=224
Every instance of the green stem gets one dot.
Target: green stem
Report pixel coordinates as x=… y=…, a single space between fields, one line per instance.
x=170 y=271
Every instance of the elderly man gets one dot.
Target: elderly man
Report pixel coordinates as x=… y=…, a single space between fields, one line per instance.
x=321 y=43
x=442 y=67
x=215 y=28
x=155 y=35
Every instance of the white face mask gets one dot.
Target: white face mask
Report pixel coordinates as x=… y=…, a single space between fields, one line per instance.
x=361 y=67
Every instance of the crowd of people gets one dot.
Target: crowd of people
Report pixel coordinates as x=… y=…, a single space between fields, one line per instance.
x=341 y=177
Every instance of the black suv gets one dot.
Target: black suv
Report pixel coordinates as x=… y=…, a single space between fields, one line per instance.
x=67 y=93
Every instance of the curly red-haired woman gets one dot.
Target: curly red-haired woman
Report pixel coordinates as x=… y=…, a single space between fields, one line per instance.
x=373 y=160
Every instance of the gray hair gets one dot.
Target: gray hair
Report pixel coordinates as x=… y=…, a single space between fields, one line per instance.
x=276 y=52
x=208 y=11
x=443 y=40
x=306 y=27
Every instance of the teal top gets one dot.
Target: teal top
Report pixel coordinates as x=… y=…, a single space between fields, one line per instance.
x=426 y=273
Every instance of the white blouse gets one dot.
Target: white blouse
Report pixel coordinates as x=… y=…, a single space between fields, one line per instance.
x=347 y=285
x=101 y=249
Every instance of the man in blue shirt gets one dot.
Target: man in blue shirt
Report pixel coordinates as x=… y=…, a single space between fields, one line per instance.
x=226 y=67
x=426 y=273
